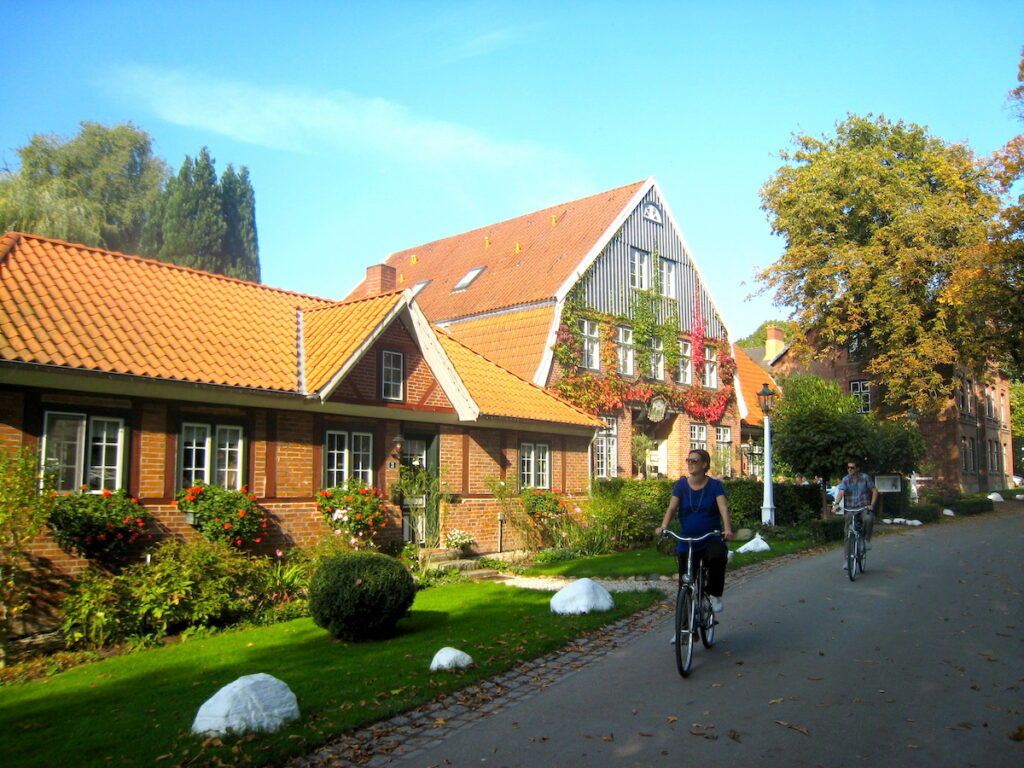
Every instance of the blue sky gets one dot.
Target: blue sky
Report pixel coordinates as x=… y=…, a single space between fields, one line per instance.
x=373 y=127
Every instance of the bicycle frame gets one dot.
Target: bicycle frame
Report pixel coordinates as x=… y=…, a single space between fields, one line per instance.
x=692 y=607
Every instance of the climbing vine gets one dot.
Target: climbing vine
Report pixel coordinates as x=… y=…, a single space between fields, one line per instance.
x=605 y=391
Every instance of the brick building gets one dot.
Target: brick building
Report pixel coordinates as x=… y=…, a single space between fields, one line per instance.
x=130 y=373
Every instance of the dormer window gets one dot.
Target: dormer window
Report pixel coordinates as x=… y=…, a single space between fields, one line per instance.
x=470 y=276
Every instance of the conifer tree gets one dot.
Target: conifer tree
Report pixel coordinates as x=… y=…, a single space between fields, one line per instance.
x=240 y=251
x=193 y=219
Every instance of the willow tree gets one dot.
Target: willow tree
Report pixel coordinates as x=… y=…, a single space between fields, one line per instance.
x=886 y=232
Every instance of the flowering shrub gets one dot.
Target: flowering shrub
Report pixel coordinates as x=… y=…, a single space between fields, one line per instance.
x=223 y=515
x=542 y=506
x=354 y=512
x=105 y=526
x=458 y=539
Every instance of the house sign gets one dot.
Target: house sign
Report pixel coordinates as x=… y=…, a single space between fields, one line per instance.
x=656 y=409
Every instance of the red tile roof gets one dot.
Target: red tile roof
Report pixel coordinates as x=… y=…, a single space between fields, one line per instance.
x=71 y=306
x=751 y=377
x=490 y=336
x=527 y=258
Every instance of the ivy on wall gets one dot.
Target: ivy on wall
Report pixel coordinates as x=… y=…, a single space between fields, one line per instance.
x=606 y=390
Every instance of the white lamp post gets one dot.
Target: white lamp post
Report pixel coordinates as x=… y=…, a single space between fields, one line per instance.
x=766 y=398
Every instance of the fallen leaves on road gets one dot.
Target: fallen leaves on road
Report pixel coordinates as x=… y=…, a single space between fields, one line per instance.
x=1017 y=735
x=672 y=719
x=784 y=724
x=775 y=701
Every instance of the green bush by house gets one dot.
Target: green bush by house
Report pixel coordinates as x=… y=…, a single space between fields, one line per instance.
x=360 y=595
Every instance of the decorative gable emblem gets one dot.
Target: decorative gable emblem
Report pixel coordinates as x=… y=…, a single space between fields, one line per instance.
x=652 y=213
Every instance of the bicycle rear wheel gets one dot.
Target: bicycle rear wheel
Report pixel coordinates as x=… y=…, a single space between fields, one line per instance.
x=851 y=554
x=685 y=630
x=862 y=553
x=707 y=622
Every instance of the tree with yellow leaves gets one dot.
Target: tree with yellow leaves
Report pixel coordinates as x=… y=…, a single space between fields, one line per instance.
x=887 y=252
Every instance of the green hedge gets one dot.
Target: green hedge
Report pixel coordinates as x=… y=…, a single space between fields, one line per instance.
x=645 y=501
x=827 y=530
x=926 y=513
x=972 y=505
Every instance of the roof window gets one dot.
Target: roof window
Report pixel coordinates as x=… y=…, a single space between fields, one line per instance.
x=419 y=287
x=464 y=283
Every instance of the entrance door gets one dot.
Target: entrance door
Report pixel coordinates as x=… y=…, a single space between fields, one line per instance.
x=419 y=510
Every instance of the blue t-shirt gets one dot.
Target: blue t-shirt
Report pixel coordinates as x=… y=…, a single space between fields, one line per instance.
x=698 y=510
x=857 y=490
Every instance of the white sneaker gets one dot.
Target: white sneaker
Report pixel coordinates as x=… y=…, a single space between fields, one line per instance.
x=716 y=604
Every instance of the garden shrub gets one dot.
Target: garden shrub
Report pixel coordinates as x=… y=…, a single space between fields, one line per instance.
x=628 y=511
x=360 y=595
x=109 y=527
x=926 y=513
x=745 y=496
x=186 y=585
x=826 y=530
x=354 y=512
x=973 y=505
x=221 y=514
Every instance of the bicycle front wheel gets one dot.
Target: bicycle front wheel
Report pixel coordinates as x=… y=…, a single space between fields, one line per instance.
x=685 y=630
x=862 y=553
x=707 y=623
x=851 y=555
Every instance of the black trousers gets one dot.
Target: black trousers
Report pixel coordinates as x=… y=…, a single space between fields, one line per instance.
x=716 y=555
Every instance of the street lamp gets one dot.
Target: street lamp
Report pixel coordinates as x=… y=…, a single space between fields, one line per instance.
x=766 y=399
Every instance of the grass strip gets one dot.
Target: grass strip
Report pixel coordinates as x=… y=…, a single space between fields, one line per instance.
x=650 y=562
x=137 y=709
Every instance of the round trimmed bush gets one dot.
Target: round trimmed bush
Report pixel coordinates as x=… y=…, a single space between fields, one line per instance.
x=360 y=595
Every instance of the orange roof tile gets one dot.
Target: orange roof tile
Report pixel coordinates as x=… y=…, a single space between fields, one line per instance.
x=500 y=393
x=332 y=335
x=490 y=337
x=751 y=378
x=72 y=306
x=527 y=259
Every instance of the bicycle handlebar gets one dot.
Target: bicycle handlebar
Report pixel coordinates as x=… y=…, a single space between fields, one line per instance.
x=855 y=510
x=675 y=535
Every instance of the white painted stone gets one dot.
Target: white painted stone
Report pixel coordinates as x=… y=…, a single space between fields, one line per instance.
x=887 y=520
x=257 y=702
x=995 y=497
x=914 y=522
x=582 y=596
x=899 y=520
x=949 y=513
x=450 y=658
x=756 y=544
x=1019 y=497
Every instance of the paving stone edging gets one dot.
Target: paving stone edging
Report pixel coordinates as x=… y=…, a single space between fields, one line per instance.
x=405 y=735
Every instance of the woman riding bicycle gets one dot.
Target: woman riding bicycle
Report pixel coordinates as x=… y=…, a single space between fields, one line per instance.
x=700 y=502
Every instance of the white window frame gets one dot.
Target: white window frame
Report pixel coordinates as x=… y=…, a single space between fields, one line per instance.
x=723 y=449
x=535 y=465
x=223 y=455
x=862 y=391
x=685 y=373
x=351 y=455
x=625 y=350
x=590 y=330
x=392 y=388
x=657 y=359
x=606 y=449
x=698 y=436
x=639 y=269
x=668 y=278
x=710 y=377
x=86 y=468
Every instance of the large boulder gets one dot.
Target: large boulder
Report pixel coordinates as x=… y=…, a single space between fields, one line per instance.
x=756 y=544
x=257 y=702
x=450 y=658
x=582 y=596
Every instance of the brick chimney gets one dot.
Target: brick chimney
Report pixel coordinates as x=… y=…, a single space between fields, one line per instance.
x=380 y=278
x=773 y=344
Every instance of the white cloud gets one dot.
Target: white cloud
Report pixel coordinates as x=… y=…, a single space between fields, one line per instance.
x=302 y=121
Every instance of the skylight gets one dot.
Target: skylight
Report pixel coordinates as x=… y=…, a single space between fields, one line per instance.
x=464 y=283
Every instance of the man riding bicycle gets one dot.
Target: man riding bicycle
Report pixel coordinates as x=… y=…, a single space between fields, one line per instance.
x=858 y=489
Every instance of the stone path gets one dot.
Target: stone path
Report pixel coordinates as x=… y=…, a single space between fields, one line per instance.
x=404 y=735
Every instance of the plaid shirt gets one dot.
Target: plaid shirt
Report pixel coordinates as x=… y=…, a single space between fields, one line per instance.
x=857 y=490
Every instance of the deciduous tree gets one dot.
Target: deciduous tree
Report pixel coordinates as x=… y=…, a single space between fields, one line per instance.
x=93 y=188
x=886 y=232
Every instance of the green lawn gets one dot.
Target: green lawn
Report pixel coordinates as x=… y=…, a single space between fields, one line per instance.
x=137 y=709
x=649 y=562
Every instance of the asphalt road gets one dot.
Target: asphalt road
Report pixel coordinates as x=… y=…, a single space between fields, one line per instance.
x=920 y=662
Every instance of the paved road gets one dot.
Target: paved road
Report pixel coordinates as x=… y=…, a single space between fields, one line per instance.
x=920 y=662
